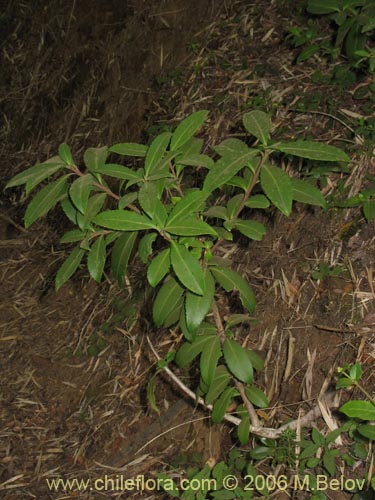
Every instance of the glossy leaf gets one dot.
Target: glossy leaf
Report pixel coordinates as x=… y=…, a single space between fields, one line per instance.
x=145 y=246
x=96 y=259
x=278 y=187
x=258 y=201
x=219 y=383
x=251 y=229
x=190 y=350
x=80 y=190
x=363 y=410
x=156 y=151
x=225 y=168
x=221 y=405
x=305 y=192
x=120 y=172
x=159 y=267
x=129 y=149
x=65 y=154
x=69 y=267
x=123 y=220
x=209 y=358
x=257 y=397
x=187 y=128
x=258 y=124
x=121 y=252
x=95 y=157
x=197 y=306
x=312 y=151
x=45 y=199
x=166 y=300
x=187 y=269
x=189 y=226
x=237 y=361
x=190 y=204
x=230 y=280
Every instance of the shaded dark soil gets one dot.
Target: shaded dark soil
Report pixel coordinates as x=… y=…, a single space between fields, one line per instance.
x=75 y=364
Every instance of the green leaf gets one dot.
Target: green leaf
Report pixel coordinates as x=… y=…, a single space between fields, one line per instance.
x=69 y=267
x=96 y=259
x=187 y=128
x=329 y=462
x=187 y=269
x=258 y=124
x=166 y=301
x=225 y=168
x=80 y=190
x=367 y=430
x=364 y=410
x=217 y=211
x=126 y=200
x=66 y=154
x=120 y=172
x=190 y=350
x=129 y=149
x=94 y=205
x=196 y=306
x=312 y=151
x=369 y=209
x=45 y=199
x=161 y=169
x=257 y=397
x=243 y=430
x=230 y=280
x=356 y=371
x=95 y=157
x=219 y=383
x=307 y=193
x=69 y=210
x=209 y=358
x=148 y=199
x=72 y=236
x=189 y=226
x=159 y=267
x=145 y=246
x=278 y=187
x=238 y=361
x=121 y=252
x=190 y=204
x=320 y=7
x=308 y=52
x=35 y=175
x=151 y=393
x=255 y=360
x=231 y=146
x=156 y=151
x=251 y=229
x=196 y=160
x=221 y=405
x=258 y=201
x=233 y=205
x=123 y=220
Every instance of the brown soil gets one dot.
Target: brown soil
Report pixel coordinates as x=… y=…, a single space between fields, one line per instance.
x=76 y=364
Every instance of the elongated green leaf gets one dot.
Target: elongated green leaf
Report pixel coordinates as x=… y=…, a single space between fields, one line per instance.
x=120 y=172
x=219 y=382
x=187 y=269
x=250 y=228
x=166 y=301
x=187 y=128
x=367 y=430
x=94 y=205
x=197 y=306
x=66 y=154
x=190 y=350
x=150 y=203
x=233 y=205
x=69 y=209
x=161 y=169
x=243 y=430
x=312 y=151
x=258 y=124
x=209 y=358
x=307 y=193
x=72 y=236
x=230 y=146
x=238 y=361
x=126 y=200
x=159 y=267
x=156 y=151
x=45 y=199
x=363 y=410
x=121 y=252
x=192 y=203
x=69 y=267
x=189 y=226
x=196 y=160
x=129 y=149
x=123 y=220
x=151 y=393
x=145 y=246
x=221 y=405
x=257 y=397
x=36 y=174
x=255 y=360
x=320 y=7
x=217 y=211
x=80 y=190
x=258 y=201
x=278 y=187
x=369 y=209
x=96 y=259
x=230 y=280
x=226 y=168
x=95 y=157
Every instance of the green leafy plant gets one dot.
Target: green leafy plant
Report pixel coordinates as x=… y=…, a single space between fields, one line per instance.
x=151 y=208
